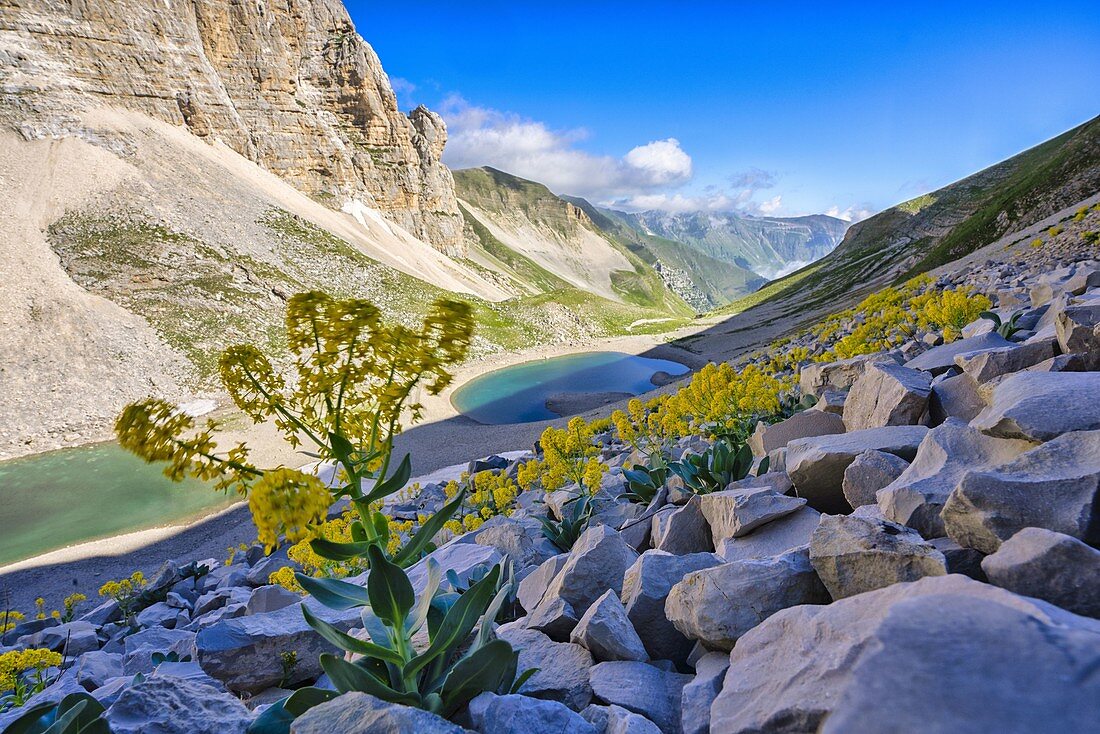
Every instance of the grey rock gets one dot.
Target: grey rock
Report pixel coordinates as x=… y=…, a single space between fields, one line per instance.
x=816 y=465
x=554 y=617
x=71 y=638
x=819 y=377
x=954 y=397
x=563 y=667
x=942 y=358
x=916 y=498
x=521 y=540
x=597 y=562
x=534 y=585
x=985 y=365
x=686 y=530
x=769 y=437
x=699 y=694
x=887 y=394
x=107 y=612
x=645 y=589
x=617 y=720
x=1049 y=566
x=642 y=689
x=874 y=662
x=360 y=713
x=269 y=599
x=853 y=554
x=1039 y=406
x=737 y=512
x=607 y=633
x=717 y=605
x=260 y=573
x=93 y=669
x=1078 y=329
x=966 y=561
x=773 y=539
x=831 y=401
x=163 y=705
x=1055 y=486
x=140 y=647
x=158 y=615
x=868 y=473
x=517 y=713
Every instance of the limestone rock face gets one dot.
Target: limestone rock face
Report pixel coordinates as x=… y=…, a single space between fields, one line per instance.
x=947 y=639
x=288 y=84
x=1038 y=406
x=816 y=465
x=870 y=472
x=1054 y=486
x=162 y=703
x=887 y=394
x=854 y=554
x=917 y=496
x=360 y=713
x=1049 y=566
x=717 y=605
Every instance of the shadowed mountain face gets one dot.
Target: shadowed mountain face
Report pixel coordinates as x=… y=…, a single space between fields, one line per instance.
x=951 y=222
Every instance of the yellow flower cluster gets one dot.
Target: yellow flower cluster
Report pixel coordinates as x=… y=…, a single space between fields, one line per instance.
x=570 y=455
x=721 y=399
x=17 y=662
x=644 y=427
x=490 y=494
x=951 y=310
x=355 y=378
x=124 y=589
x=285 y=502
x=9 y=619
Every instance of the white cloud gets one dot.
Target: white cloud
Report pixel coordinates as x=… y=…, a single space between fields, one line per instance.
x=771 y=206
x=479 y=136
x=854 y=213
x=779 y=272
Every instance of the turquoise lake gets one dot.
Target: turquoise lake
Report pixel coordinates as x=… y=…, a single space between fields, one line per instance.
x=518 y=394
x=59 y=498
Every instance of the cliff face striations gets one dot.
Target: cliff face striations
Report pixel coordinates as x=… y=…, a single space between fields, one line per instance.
x=289 y=84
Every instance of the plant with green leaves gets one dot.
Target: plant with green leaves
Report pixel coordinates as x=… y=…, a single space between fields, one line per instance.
x=76 y=713
x=1004 y=328
x=724 y=462
x=576 y=515
x=442 y=678
x=643 y=483
x=355 y=383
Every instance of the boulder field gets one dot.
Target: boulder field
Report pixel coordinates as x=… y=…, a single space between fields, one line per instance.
x=922 y=555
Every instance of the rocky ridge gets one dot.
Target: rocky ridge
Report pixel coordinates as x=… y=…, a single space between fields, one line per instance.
x=289 y=85
x=946 y=529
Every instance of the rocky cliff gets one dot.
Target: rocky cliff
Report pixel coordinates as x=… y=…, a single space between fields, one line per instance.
x=288 y=84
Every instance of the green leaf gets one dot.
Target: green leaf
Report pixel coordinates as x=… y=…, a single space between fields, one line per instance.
x=391 y=593
x=304 y=699
x=483 y=670
x=333 y=593
x=431 y=527
x=334 y=551
x=396 y=481
x=523 y=677
x=764 y=464
x=347 y=642
x=341 y=448
x=348 y=677
x=420 y=611
x=456 y=626
x=274 y=720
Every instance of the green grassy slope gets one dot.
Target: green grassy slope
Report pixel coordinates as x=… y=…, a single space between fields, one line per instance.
x=710 y=282
x=497 y=192
x=944 y=225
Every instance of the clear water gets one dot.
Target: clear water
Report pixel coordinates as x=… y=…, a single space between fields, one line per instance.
x=518 y=394
x=59 y=498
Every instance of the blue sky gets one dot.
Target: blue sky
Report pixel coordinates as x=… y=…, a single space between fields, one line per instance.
x=803 y=108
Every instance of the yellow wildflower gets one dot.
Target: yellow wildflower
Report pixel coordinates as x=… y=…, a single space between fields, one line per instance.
x=285 y=502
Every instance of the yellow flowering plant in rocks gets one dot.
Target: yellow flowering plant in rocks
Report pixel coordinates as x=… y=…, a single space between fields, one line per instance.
x=571 y=455
x=951 y=310
x=355 y=383
x=722 y=400
x=488 y=494
x=23 y=674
